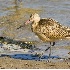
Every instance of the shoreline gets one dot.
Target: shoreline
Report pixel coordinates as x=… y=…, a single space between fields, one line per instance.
x=11 y=63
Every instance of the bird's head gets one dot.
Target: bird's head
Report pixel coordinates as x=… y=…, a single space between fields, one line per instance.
x=33 y=18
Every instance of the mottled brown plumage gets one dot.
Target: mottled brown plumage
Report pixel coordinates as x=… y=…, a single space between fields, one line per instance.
x=48 y=29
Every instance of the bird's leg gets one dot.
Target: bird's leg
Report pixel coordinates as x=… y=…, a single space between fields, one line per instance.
x=47 y=48
x=50 y=50
x=51 y=44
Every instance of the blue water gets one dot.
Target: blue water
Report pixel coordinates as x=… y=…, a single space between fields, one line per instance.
x=29 y=56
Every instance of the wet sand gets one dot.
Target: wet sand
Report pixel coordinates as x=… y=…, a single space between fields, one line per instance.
x=11 y=63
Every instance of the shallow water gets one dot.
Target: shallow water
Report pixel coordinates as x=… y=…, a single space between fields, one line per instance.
x=57 y=9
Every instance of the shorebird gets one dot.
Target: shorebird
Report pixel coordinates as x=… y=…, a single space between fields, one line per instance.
x=48 y=29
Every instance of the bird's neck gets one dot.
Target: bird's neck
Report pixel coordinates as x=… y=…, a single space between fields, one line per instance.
x=34 y=25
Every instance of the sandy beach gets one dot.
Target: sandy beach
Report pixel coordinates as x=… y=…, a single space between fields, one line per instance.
x=11 y=63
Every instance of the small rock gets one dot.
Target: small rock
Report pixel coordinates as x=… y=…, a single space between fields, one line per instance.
x=2 y=68
x=26 y=42
x=2 y=22
x=26 y=63
x=61 y=59
x=69 y=53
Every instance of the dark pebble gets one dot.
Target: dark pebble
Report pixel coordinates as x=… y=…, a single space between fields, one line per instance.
x=69 y=53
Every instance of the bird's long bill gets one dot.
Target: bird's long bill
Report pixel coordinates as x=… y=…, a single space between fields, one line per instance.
x=28 y=21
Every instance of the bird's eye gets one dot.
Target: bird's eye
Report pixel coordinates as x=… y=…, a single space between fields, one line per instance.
x=31 y=15
x=29 y=19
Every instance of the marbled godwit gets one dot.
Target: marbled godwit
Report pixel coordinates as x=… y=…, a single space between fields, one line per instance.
x=47 y=29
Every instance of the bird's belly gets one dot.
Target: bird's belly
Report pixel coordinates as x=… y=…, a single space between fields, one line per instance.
x=45 y=38
x=51 y=35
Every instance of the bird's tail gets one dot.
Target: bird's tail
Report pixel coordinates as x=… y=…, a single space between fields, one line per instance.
x=69 y=32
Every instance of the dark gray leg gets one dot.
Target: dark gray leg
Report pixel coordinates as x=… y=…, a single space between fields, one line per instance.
x=51 y=44
x=50 y=50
